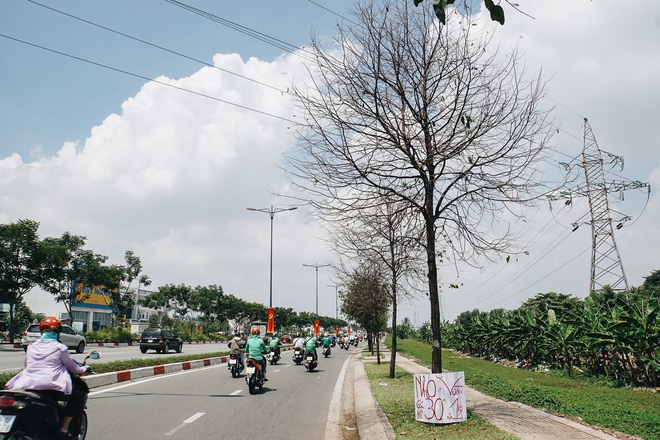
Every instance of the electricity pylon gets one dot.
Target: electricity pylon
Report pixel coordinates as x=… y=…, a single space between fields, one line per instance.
x=606 y=265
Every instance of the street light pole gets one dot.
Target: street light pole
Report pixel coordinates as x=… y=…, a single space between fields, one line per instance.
x=336 y=299
x=316 y=266
x=271 y=211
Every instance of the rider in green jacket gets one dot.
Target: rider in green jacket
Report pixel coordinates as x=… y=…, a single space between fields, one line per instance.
x=255 y=348
x=310 y=344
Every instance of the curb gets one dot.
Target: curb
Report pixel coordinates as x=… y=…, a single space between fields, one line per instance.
x=371 y=420
x=103 y=379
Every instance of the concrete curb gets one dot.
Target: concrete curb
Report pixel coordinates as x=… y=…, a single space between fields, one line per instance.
x=103 y=379
x=372 y=423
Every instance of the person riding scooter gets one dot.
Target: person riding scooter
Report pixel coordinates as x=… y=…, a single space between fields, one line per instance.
x=255 y=347
x=310 y=345
x=47 y=367
x=275 y=344
x=237 y=347
x=326 y=342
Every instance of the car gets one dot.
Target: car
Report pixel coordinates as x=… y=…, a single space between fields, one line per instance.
x=68 y=337
x=286 y=339
x=160 y=339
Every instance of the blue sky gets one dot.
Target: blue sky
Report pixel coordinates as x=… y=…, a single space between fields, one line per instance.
x=168 y=174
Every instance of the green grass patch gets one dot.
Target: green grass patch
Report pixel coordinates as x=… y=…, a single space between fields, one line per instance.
x=397 y=400
x=634 y=411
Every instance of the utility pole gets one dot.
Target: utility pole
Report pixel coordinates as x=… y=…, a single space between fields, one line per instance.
x=606 y=265
x=316 y=266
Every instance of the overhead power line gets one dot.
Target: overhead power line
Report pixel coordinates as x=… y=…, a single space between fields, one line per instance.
x=148 y=79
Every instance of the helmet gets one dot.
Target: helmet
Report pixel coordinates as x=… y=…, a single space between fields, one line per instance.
x=255 y=331
x=50 y=323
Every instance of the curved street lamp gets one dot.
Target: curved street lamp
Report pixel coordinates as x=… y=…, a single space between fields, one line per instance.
x=271 y=211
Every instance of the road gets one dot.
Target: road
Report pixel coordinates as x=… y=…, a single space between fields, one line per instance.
x=209 y=403
x=13 y=360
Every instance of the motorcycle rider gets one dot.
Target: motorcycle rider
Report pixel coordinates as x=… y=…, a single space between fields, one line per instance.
x=255 y=347
x=47 y=367
x=326 y=342
x=275 y=344
x=310 y=345
x=237 y=347
x=299 y=342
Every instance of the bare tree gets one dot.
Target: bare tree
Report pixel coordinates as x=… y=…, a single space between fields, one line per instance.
x=389 y=236
x=426 y=115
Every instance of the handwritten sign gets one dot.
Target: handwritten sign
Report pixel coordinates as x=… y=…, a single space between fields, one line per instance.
x=440 y=398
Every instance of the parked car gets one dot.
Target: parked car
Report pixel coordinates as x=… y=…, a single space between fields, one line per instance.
x=286 y=339
x=68 y=337
x=161 y=340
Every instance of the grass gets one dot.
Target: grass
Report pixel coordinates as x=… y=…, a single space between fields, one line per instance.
x=397 y=401
x=632 y=411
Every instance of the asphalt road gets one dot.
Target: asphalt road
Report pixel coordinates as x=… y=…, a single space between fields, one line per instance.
x=209 y=403
x=13 y=359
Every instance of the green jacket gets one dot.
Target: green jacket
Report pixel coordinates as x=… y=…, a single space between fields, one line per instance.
x=275 y=342
x=255 y=346
x=310 y=343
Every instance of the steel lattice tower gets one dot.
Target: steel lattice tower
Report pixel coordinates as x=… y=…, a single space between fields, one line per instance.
x=606 y=265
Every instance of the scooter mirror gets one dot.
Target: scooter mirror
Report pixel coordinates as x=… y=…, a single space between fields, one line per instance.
x=95 y=355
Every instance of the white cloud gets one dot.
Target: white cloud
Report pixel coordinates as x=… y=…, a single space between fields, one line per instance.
x=171 y=175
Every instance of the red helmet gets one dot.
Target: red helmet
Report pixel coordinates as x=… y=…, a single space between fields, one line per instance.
x=50 y=323
x=255 y=331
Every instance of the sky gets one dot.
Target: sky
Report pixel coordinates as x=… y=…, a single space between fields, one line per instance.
x=146 y=127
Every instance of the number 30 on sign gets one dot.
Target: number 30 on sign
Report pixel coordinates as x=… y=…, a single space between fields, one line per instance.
x=440 y=398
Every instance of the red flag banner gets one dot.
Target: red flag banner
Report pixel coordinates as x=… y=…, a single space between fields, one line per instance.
x=317 y=327
x=270 y=326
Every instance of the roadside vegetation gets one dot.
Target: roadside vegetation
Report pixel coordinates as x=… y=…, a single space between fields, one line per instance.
x=396 y=398
x=594 y=401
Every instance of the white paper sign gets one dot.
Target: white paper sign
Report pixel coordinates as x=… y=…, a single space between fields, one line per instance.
x=440 y=398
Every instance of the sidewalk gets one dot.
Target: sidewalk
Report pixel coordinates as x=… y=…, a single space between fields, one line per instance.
x=520 y=420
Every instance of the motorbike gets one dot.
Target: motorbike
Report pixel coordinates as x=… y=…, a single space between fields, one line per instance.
x=298 y=355
x=31 y=415
x=326 y=350
x=310 y=361
x=234 y=365
x=254 y=377
x=272 y=356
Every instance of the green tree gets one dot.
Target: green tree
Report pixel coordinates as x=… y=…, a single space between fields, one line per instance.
x=69 y=267
x=21 y=264
x=367 y=301
x=208 y=301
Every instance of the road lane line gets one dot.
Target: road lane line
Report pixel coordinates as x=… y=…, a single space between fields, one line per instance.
x=332 y=427
x=236 y=392
x=188 y=421
x=149 y=379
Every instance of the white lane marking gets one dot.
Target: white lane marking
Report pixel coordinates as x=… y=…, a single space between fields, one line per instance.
x=332 y=430
x=276 y=371
x=188 y=421
x=149 y=379
x=236 y=392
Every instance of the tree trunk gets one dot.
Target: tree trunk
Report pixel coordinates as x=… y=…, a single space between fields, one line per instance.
x=378 y=348
x=12 y=324
x=434 y=295
x=393 y=347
